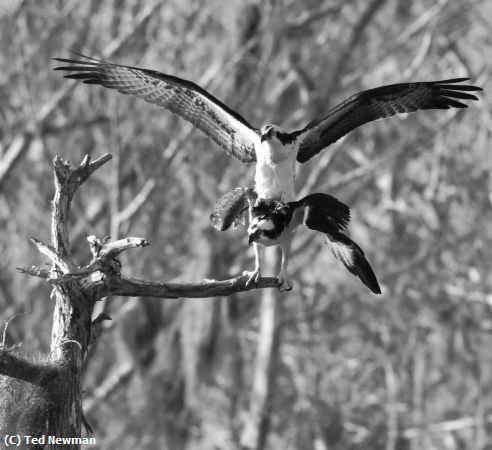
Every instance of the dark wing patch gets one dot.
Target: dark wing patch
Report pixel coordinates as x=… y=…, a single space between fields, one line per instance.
x=229 y=208
x=352 y=257
x=224 y=126
x=380 y=103
x=324 y=213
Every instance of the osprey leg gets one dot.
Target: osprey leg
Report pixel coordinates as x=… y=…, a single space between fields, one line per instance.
x=256 y=274
x=284 y=284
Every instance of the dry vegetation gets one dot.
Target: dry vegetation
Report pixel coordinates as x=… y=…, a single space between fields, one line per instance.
x=341 y=368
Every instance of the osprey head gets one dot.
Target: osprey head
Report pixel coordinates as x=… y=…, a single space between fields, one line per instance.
x=269 y=221
x=258 y=227
x=268 y=131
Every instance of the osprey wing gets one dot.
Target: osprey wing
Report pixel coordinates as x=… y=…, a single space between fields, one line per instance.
x=224 y=126
x=326 y=214
x=379 y=103
x=322 y=212
x=229 y=208
x=352 y=257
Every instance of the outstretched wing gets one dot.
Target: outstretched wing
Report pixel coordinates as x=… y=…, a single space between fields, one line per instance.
x=326 y=214
x=379 y=103
x=229 y=208
x=224 y=126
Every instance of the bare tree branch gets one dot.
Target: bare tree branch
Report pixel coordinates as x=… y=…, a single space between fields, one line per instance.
x=34 y=271
x=444 y=427
x=132 y=287
x=101 y=277
x=66 y=182
x=64 y=264
x=35 y=373
x=141 y=288
x=111 y=250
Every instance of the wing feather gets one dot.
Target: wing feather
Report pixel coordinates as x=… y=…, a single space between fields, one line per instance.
x=326 y=214
x=223 y=125
x=353 y=259
x=380 y=103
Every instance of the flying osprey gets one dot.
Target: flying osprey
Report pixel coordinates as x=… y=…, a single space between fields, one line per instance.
x=273 y=223
x=274 y=150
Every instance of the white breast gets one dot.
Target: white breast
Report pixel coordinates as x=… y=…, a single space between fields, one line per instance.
x=275 y=170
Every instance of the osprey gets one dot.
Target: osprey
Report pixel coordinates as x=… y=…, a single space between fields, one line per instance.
x=274 y=150
x=273 y=223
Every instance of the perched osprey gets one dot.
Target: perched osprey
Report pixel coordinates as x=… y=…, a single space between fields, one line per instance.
x=274 y=150
x=273 y=223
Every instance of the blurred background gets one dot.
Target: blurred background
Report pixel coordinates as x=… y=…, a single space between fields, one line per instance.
x=344 y=369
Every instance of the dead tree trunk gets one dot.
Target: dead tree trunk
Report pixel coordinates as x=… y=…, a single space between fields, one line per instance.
x=50 y=406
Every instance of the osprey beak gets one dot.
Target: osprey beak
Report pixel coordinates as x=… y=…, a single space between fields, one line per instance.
x=263 y=138
x=254 y=237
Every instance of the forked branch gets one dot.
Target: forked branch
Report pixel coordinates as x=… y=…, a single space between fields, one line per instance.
x=102 y=276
